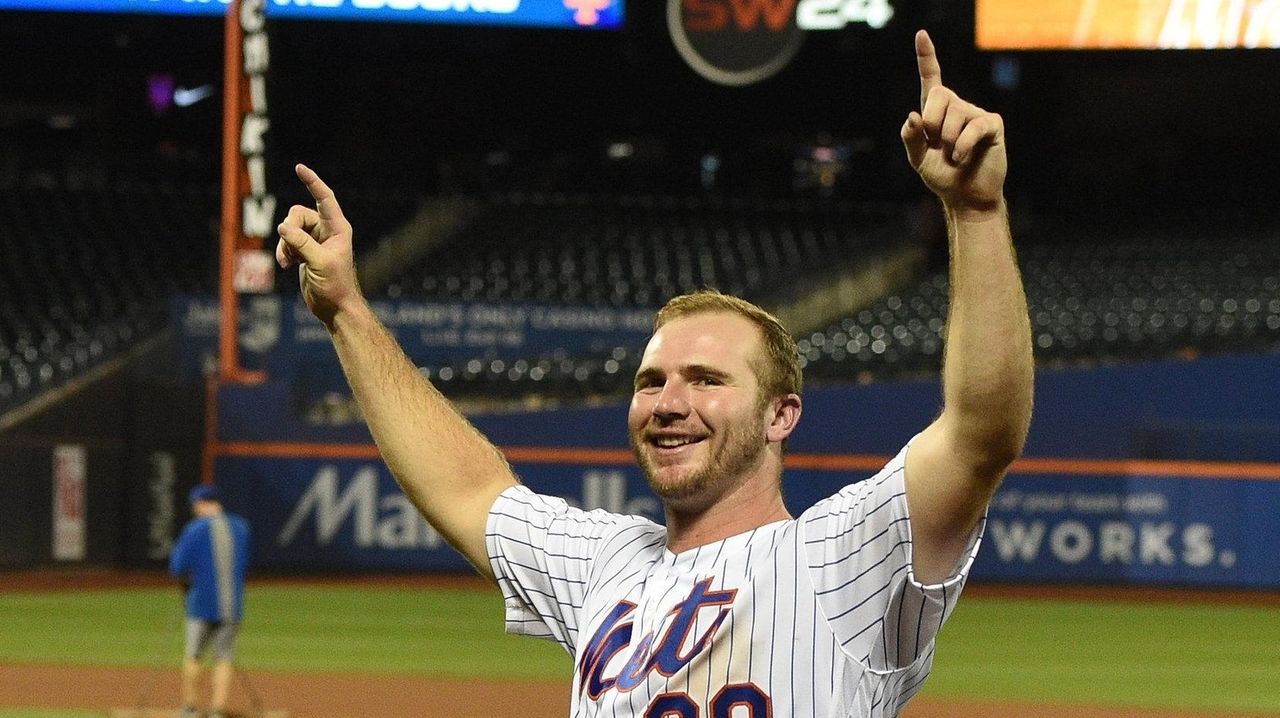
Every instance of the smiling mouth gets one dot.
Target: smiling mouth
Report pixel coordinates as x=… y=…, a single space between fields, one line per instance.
x=673 y=442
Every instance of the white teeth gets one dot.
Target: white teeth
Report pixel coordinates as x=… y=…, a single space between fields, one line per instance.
x=670 y=442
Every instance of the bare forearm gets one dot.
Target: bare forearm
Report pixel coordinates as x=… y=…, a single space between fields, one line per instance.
x=988 y=370
x=444 y=465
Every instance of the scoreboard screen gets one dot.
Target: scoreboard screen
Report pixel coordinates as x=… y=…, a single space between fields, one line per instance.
x=593 y=14
x=1127 y=24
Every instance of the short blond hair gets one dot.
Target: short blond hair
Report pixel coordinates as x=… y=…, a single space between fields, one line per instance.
x=778 y=368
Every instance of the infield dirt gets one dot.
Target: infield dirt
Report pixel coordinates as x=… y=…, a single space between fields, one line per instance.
x=319 y=695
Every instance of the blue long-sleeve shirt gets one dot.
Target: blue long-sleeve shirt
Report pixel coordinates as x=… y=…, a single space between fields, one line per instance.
x=212 y=555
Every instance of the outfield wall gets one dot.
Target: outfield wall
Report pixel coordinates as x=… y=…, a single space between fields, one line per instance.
x=1081 y=507
x=1126 y=522
x=100 y=477
x=1164 y=472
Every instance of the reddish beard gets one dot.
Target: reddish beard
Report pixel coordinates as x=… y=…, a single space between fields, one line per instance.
x=743 y=448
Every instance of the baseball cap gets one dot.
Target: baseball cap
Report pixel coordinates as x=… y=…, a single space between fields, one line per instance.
x=203 y=492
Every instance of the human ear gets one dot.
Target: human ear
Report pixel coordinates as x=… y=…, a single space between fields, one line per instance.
x=785 y=414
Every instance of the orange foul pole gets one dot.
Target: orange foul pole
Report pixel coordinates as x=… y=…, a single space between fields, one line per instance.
x=231 y=237
x=228 y=349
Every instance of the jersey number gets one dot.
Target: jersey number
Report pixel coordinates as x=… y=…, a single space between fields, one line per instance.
x=734 y=695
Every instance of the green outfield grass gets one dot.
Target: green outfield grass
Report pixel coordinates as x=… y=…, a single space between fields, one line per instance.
x=1203 y=657
x=287 y=627
x=1209 y=657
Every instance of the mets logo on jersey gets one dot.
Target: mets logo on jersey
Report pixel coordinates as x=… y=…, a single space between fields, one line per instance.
x=667 y=655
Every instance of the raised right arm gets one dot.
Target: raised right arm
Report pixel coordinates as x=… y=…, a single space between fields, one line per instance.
x=450 y=471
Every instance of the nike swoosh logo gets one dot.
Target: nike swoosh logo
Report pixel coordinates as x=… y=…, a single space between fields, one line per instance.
x=184 y=97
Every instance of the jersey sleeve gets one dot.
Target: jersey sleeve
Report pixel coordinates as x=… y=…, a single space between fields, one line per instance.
x=541 y=551
x=858 y=545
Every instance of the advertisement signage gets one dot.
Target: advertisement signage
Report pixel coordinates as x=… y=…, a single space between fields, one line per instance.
x=1127 y=24
x=1132 y=529
x=595 y=14
x=69 y=471
x=348 y=514
x=283 y=337
x=740 y=42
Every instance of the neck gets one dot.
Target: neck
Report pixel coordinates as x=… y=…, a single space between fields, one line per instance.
x=751 y=504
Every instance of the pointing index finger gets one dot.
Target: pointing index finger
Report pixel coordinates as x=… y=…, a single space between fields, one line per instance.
x=326 y=203
x=927 y=61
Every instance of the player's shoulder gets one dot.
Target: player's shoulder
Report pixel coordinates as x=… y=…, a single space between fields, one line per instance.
x=630 y=544
x=524 y=518
x=521 y=501
x=629 y=532
x=883 y=486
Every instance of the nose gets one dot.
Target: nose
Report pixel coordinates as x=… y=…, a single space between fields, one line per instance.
x=673 y=402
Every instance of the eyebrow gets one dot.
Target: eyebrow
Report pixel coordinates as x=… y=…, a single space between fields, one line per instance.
x=646 y=375
x=704 y=370
x=696 y=370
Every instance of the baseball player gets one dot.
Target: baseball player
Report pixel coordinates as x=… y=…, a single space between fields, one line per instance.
x=734 y=607
x=210 y=559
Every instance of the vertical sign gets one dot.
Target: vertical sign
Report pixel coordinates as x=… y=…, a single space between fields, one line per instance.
x=254 y=270
x=248 y=210
x=68 y=502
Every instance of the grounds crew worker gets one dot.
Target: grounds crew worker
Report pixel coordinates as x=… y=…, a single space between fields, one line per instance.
x=210 y=559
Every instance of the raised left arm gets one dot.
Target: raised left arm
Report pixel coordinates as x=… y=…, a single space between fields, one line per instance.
x=956 y=463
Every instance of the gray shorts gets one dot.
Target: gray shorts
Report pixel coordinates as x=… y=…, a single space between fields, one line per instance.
x=202 y=634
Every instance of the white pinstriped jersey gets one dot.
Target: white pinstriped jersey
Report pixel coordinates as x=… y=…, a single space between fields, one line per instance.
x=814 y=616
